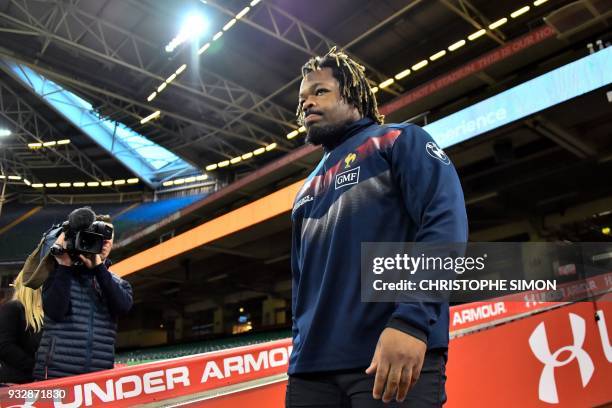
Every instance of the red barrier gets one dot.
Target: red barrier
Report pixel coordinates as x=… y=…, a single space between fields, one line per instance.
x=126 y=387
x=561 y=357
x=473 y=316
x=268 y=396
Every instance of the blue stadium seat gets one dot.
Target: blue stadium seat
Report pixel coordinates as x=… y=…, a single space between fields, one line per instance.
x=147 y=214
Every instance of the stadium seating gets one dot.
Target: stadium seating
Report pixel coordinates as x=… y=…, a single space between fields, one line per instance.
x=147 y=214
x=181 y=350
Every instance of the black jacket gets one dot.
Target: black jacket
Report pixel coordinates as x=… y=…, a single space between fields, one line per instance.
x=17 y=345
x=81 y=306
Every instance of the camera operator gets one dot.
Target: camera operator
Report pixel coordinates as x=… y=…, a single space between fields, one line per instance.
x=81 y=301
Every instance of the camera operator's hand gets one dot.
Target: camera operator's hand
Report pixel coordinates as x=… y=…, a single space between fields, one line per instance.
x=63 y=259
x=91 y=261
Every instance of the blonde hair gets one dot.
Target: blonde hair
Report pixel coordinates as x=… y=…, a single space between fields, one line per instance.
x=354 y=86
x=31 y=299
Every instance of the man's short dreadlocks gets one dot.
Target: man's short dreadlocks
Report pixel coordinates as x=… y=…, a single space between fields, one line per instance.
x=354 y=86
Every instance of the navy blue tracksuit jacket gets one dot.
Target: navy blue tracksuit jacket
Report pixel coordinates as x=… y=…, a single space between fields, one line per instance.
x=81 y=306
x=380 y=183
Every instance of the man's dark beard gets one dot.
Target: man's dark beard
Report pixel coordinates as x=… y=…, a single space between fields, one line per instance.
x=328 y=136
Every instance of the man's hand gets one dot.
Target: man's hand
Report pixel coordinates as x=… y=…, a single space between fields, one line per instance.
x=91 y=261
x=397 y=362
x=63 y=259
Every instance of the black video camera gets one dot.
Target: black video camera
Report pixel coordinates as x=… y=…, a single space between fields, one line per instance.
x=83 y=234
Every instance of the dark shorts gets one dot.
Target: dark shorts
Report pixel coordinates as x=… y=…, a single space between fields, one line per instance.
x=353 y=388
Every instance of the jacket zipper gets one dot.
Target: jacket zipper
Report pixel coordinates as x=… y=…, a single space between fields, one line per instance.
x=89 y=335
x=49 y=357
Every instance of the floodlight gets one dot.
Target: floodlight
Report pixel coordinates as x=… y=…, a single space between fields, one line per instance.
x=193 y=27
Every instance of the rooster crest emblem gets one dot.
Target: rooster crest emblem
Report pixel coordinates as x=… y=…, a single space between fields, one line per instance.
x=349 y=160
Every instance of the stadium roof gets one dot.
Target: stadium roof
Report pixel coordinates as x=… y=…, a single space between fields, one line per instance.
x=146 y=159
x=232 y=91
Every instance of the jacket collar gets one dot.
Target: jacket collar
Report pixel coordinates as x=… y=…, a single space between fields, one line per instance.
x=350 y=130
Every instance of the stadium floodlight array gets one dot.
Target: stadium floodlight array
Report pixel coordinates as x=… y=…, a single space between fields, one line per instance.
x=453 y=47
x=296 y=132
x=50 y=143
x=14 y=178
x=5 y=132
x=164 y=84
x=152 y=116
x=192 y=28
x=186 y=180
x=81 y=184
x=187 y=33
x=245 y=156
x=9 y=177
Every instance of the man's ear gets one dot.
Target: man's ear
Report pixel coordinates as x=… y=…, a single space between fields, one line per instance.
x=355 y=112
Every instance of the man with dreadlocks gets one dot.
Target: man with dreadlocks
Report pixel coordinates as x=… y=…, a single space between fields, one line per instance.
x=375 y=183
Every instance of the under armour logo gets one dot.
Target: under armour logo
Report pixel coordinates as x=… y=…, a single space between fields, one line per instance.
x=538 y=341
